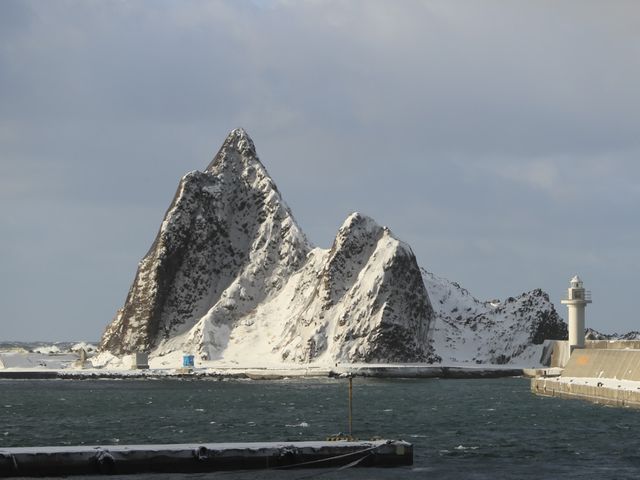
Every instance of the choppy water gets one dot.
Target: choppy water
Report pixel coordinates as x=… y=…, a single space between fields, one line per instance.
x=476 y=429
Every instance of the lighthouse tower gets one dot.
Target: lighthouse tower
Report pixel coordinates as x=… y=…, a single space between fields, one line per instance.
x=576 y=301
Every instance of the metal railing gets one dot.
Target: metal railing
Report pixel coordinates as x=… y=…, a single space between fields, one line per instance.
x=586 y=296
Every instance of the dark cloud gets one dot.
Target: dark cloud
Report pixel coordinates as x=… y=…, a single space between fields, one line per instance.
x=500 y=140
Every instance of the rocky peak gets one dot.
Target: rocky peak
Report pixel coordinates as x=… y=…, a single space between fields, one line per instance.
x=230 y=276
x=227 y=240
x=371 y=286
x=237 y=147
x=355 y=242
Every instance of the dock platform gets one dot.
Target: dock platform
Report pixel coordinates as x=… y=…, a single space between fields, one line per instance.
x=200 y=458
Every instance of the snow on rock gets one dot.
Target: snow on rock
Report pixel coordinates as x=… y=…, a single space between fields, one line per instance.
x=47 y=350
x=362 y=300
x=468 y=330
x=225 y=244
x=591 y=334
x=37 y=360
x=231 y=276
x=87 y=347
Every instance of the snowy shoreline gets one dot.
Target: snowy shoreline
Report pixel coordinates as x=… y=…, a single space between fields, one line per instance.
x=265 y=373
x=47 y=362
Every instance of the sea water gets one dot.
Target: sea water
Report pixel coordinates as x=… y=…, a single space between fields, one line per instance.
x=476 y=429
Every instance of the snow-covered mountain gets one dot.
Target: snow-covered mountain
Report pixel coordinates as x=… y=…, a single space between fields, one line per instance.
x=227 y=241
x=231 y=276
x=591 y=334
x=468 y=330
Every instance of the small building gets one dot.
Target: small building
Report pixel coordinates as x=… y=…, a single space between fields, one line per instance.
x=140 y=361
x=188 y=361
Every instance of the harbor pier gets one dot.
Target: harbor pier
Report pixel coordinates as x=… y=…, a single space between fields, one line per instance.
x=200 y=458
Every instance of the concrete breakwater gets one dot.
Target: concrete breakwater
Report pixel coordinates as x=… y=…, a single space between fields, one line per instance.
x=429 y=371
x=356 y=370
x=197 y=458
x=605 y=395
x=607 y=376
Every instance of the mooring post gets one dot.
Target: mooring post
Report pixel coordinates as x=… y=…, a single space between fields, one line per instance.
x=350 y=405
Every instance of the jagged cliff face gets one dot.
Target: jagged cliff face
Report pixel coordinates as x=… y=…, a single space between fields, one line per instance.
x=365 y=301
x=231 y=276
x=468 y=330
x=226 y=242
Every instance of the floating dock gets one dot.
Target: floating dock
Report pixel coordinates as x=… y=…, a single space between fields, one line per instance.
x=200 y=458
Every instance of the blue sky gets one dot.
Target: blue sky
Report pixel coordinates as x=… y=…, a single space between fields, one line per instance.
x=499 y=139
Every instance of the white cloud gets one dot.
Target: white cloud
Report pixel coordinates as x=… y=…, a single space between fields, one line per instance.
x=541 y=174
x=564 y=177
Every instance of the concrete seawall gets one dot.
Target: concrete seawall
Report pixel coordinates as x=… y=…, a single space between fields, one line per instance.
x=200 y=458
x=557 y=352
x=606 y=376
x=356 y=370
x=554 y=387
x=429 y=371
x=597 y=363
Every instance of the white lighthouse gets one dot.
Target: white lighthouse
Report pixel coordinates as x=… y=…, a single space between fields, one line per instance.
x=576 y=301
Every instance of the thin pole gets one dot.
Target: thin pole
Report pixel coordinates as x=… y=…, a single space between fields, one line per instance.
x=350 y=405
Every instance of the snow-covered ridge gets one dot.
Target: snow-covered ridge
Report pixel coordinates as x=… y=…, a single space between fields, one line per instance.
x=232 y=278
x=469 y=330
x=592 y=334
x=47 y=348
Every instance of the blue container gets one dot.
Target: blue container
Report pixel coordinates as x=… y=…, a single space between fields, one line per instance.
x=187 y=361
